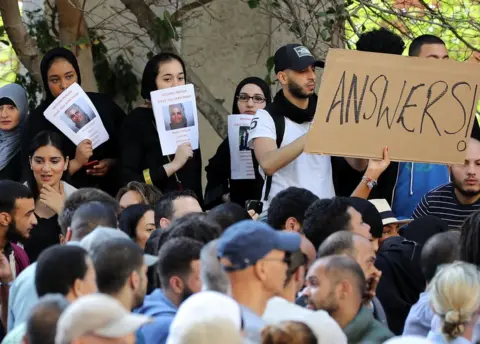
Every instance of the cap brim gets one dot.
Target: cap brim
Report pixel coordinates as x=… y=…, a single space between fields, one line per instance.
x=302 y=65
x=150 y=260
x=123 y=327
x=393 y=220
x=287 y=241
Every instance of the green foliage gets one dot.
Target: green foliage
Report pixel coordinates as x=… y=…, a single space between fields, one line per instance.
x=166 y=28
x=114 y=78
x=256 y=3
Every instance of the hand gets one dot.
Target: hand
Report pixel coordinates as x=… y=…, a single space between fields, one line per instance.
x=370 y=290
x=6 y=275
x=53 y=199
x=84 y=152
x=475 y=57
x=376 y=167
x=183 y=153
x=226 y=198
x=253 y=215
x=102 y=168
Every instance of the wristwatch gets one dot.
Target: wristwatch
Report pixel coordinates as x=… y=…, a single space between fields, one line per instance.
x=370 y=182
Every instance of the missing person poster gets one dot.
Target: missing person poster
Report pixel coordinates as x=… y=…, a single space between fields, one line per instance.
x=175 y=111
x=422 y=109
x=241 y=162
x=73 y=113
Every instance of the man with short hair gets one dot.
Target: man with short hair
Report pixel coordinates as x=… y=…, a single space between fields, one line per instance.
x=428 y=46
x=455 y=201
x=256 y=259
x=278 y=132
x=61 y=269
x=173 y=205
x=283 y=308
x=287 y=209
x=442 y=248
x=22 y=292
x=98 y=319
x=212 y=275
x=336 y=284
x=360 y=249
x=179 y=270
x=228 y=214
x=327 y=216
x=41 y=324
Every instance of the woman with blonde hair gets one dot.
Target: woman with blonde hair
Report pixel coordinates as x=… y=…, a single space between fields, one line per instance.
x=455 y=298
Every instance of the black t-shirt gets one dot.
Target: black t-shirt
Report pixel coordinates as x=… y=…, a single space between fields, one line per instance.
x=45 y=234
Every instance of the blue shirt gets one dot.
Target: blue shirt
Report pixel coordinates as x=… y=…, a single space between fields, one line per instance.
x=420 y=317
x=158 y=306
x=437 y=338
x=252 y=325
x=413 y=182
x=22 y=297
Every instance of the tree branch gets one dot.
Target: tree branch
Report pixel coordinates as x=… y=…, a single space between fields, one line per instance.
x=25 y=47
x=182 y=11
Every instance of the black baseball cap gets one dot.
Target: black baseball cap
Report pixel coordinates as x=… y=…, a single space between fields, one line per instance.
x=295 y=57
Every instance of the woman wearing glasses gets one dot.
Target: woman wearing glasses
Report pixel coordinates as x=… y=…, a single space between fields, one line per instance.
x=251 y=94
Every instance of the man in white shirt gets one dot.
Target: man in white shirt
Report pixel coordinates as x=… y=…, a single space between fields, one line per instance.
x=277 y=133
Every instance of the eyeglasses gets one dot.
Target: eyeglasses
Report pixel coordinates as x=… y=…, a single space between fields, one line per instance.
x=244 y=98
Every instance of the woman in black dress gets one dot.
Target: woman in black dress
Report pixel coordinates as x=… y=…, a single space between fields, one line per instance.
x=59 y=70
x=141 y=154
x=13 y=114
x=251 y=94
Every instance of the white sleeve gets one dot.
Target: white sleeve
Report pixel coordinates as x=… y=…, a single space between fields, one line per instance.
x=262 y=126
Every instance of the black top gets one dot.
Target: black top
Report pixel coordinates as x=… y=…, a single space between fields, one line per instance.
x=45 y=234
x=140 y=150
x=219 y=182
x=112 y=117
x=13 y=169
x=346 y=179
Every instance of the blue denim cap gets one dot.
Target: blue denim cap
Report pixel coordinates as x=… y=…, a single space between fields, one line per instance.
x=246 y=242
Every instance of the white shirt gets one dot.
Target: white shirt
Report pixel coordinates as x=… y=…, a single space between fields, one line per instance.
x=309 y=171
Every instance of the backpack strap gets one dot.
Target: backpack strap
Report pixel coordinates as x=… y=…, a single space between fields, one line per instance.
x=279 y=121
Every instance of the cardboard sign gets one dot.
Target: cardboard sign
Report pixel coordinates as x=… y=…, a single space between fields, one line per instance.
x=422 y=109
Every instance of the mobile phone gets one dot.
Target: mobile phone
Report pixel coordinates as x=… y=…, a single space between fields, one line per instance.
x=257 y=206
x=91 y=164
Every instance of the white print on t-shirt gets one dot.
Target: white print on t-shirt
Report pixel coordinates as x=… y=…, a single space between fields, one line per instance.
x=309 y=171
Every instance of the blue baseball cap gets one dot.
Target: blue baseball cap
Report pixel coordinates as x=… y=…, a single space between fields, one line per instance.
x=246 y=242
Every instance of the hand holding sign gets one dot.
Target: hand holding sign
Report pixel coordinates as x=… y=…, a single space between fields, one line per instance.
x=183 y=153
x=84 y=152
x=422 y=109
x=376 y=167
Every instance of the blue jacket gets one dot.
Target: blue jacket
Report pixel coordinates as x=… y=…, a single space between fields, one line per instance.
x=414 y=180
x=158 y=306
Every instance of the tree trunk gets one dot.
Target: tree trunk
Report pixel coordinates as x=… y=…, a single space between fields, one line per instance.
x=25 y=47
x=72 y=29
x=213 y=111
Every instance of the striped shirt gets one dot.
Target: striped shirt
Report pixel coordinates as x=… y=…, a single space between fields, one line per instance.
x=442 y=202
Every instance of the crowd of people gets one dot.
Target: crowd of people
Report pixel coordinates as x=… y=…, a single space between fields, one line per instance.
x=131 y=250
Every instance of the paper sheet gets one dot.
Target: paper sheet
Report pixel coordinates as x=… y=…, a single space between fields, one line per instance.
x=241 y=162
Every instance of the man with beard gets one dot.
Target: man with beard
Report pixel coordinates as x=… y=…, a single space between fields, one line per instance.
x=177 y=116
x=278 y=133
x=122 y=273
x=336 y=284
x=77 y=116
x=455 y=201
x=179 y=271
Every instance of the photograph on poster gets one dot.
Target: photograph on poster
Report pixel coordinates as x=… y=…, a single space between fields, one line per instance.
x=243 y=138
x=78 y=115
x=178 y=116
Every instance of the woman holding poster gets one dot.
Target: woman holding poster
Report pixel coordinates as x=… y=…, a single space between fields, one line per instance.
x=142 y=158
x=88 y=167
x=46 y=178
x=251 y=94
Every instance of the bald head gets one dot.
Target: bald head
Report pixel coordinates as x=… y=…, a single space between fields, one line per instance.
x=343 y=242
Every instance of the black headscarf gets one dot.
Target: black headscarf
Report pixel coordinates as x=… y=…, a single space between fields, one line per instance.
x=46 y=62
x=151 y=71
x=423 y=228
x=370 y=215
x=251 y=80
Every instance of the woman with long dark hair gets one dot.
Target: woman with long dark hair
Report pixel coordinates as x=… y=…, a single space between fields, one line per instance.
x=48 y=172
x=251 y=94
x=138 y=221
x=59 y=68
x=141 y=154
x=13 y=114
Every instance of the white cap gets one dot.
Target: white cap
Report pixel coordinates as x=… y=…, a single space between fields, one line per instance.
x=204 y=316
x=100 y=235
x=408 y=340
x=386 y=213
x=97 y=314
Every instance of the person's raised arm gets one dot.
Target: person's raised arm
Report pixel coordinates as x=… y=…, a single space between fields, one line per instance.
x=375 y=168
x=271 y=159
